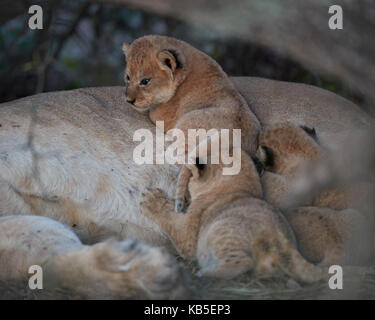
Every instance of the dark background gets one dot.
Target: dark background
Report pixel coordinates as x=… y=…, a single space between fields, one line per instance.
x=288 y=40
x=80 y=46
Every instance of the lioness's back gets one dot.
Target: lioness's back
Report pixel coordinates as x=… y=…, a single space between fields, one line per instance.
x=277 y=101
x=97 y=124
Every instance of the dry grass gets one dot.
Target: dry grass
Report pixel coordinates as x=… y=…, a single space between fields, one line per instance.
x=359 y=283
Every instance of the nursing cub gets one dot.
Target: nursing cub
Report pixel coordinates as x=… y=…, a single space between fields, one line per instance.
x=186 y=89
x=230 y=232
x=328 y=229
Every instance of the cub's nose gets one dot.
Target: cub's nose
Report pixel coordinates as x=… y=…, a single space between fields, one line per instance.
x=130 y=100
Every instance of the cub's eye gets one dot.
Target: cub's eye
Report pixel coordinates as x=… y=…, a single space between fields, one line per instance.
x=145 y=82
x=127 y=77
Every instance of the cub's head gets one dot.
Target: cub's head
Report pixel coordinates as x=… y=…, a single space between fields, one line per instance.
x=208 y=178
x=154 y=66
x=284 y=146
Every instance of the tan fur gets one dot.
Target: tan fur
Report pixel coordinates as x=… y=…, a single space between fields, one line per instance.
x=187 y=90
x=290 y=146
x=283 y=149
x=83 y=135
x=110 y=269
x=230 y=232
x=182 y=193
x=326 y=229
x=329 y=237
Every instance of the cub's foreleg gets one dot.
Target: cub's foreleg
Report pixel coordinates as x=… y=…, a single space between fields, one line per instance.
x=182 y=229
x=182 y=186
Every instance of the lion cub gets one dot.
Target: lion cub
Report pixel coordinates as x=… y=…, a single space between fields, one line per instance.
x=230 y=232
x=326 y=228
x=186 y=89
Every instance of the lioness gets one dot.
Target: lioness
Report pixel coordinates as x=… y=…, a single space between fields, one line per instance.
x=328 y=229
x=108 y=269
x=68 y=156
x=228 y=227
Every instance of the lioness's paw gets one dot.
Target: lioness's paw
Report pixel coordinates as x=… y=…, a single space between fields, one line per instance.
x=131 y=269
x=154 y=201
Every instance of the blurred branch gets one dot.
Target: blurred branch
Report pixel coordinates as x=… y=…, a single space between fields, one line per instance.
x=10 y=9
x=73 y=26
x=297 y=28
x=44 y=54
x=8 y=49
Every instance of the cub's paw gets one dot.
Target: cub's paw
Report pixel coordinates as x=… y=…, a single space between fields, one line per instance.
x=155 y=202
x=131 y=269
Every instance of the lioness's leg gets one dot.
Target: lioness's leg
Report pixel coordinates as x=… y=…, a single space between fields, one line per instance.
x=181 y=228
x=111 y=269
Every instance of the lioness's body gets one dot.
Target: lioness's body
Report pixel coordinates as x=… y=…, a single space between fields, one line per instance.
x=93 y=130
x=86 y=177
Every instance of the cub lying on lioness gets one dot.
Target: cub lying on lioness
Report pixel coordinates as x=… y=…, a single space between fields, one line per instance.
x=328 y=229
x=186 y=89
x=230 y=232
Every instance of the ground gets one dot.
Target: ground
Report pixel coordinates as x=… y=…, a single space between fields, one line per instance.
x=359 y=283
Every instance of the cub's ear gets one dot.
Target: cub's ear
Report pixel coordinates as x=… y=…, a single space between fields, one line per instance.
x=125 y=47
x=310 y=131
x=197 y=168
x=268 y=157
x=170 y=59
x=167 y=60
x=258 y=165
x=265 y=156
x=199 y=164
